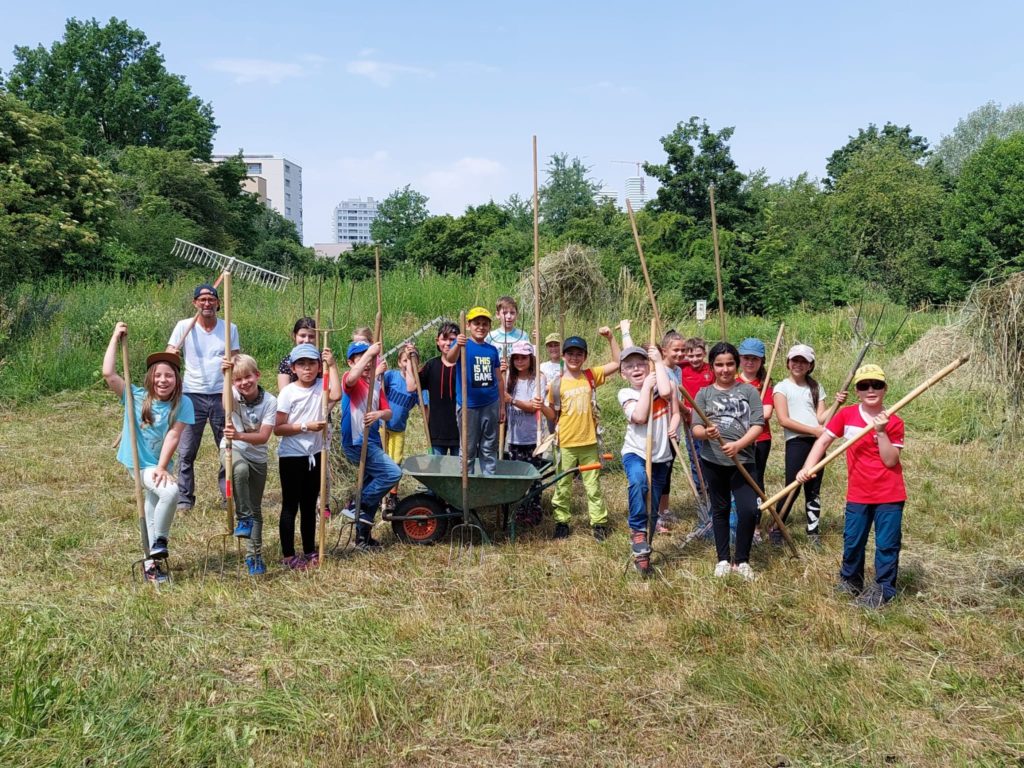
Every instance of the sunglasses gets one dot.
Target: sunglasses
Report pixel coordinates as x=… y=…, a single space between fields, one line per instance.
x=864 y=386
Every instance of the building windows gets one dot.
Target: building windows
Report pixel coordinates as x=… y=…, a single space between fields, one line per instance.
x=254 y=169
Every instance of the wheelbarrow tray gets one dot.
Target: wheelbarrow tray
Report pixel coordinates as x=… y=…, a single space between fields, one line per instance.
x=511 y=481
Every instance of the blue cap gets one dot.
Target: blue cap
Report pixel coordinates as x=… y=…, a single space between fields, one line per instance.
x=303 y=352
x=574 y=342
x=356 y=348
x=205 y=288
x=752 y=347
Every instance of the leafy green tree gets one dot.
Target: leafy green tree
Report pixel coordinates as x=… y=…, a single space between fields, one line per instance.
x=697 y=158
x=398 y=216
x=974 y=130
x=984 y=218
x=915 y=148
x=55 y=203
x=109 y=84
x=568 y=193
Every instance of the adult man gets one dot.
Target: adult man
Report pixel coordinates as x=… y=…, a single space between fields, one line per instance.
x=203 y=352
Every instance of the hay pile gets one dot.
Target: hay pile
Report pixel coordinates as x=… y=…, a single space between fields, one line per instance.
x=574 y=274
x=993 y=318
x=934 y=351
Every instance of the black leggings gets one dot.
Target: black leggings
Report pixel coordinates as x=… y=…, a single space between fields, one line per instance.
x=797 y=451
x=300 y=486
x=761 y=451
x=724 y=484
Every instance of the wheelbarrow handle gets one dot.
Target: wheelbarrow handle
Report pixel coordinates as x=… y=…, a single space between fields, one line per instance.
x=589 y=467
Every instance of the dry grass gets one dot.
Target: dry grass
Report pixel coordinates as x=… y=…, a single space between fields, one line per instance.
x=543 y=654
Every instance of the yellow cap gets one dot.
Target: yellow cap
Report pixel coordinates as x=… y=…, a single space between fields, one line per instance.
x=476 y=312
x=868 y=373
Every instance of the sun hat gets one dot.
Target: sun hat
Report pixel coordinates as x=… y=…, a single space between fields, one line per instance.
x=868 y=373
x=634 y=350
x=476 y=312
x=173 y=359
x=752 y=346
x=356 y=348
x=552 y=338
x=801 y=350
x=521 y=348
x=303 y=352
x=575 y=342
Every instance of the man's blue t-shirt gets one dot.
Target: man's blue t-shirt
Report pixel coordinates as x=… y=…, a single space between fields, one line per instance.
x=151 y=438
x=483 y=371
x=401 y=399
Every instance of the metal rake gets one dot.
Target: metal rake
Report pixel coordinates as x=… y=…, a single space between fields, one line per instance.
x=220 y=262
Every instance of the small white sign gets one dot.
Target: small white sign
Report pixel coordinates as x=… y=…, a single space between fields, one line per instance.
x=702 y=310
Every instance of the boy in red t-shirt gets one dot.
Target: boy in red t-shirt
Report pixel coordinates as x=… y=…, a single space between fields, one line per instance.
x=696 y=374
x=875 y=491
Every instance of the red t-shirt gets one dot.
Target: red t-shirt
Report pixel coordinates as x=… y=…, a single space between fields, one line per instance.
x=694 y=381
x=766 y=433
x=869 y=481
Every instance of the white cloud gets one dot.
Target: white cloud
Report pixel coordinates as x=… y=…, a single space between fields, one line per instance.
x=467 y=181
x=260 y=70
x=384 y=73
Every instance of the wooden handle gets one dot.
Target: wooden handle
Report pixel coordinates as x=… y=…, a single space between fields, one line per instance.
x=464 y=424
x=325 y=397
x=414 y=357
x=229 y=407
x=718 y=262
x=129 y=404
x=771 y=361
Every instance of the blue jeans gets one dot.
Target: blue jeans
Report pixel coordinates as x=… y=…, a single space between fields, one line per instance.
x=636 y=476
x=888 y=520
x=382 y=474
x=208 y=408
x=444 y=450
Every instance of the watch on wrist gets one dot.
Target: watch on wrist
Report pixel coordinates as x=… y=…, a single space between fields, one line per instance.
x=303 y=427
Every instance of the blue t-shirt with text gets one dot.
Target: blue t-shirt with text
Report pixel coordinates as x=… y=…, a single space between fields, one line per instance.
x=483 y=364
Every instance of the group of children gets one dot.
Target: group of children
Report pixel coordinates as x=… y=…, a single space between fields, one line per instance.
x=719 y=407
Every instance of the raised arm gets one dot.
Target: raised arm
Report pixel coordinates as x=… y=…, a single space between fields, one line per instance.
x=612 y=367
x=110 y=374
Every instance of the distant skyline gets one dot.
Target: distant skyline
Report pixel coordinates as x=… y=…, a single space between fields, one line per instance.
x=445 y=97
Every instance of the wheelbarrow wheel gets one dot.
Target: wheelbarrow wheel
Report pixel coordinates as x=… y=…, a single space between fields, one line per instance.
x=421 y=531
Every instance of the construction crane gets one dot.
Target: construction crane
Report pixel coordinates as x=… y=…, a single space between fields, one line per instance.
x=639 y=171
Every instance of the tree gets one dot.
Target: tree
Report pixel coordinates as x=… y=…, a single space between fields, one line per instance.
x=398 y=216
x=984 y=218
x=55 y=203
x=110 y=86
x=697 y=158
x=972 y=131
x=568 y=194
x=915 y=148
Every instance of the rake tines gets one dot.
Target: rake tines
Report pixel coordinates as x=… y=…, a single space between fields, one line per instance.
x=219 y=262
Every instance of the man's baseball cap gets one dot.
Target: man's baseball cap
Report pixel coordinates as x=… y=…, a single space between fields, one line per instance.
x=868 y=373
x=356 y=348
x=522 y=348
x=801 y=350
x=753 y=347
x=205 y=288
x=303 y=352
x=575 y=342
x=552 y=338
x=476 y=312
x=634 y=350
x=173 y=359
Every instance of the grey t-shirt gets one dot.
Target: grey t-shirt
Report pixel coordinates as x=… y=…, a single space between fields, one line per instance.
x=733 y=411
x=249 y=417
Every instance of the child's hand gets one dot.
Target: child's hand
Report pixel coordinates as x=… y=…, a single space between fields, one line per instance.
x=229 y=430
x=382 y=366
x=411 y=351
x=624 y=326
x=841 y=397
x=504 y=365
x=604 y=331
x=315 y=426
x=120 y=330
x=803 y=475
x=508 y=399
x=460 y=340
x=650 y=381
x=501 y=415
x=327 y=357
x=226 y=365
x=655 y=353
x=162 y=477
x=880 y=421
x=370 y=417
x=537 y=404
x=373 y=350
x=711 y=432
x=730 y=449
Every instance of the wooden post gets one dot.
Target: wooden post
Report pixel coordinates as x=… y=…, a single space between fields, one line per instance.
x=718 y=262
x=129 y=404
x=229 y=407
x=536 y=285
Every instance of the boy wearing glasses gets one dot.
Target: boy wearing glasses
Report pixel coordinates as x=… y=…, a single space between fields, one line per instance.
x=875 y=490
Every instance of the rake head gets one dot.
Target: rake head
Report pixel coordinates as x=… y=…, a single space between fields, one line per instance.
x=860 y=324
x=223 y=540
x=218 y=262
x=466 y=542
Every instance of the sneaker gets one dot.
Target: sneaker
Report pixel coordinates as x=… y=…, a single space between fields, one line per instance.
x=158 y=550
x=639 y=545
x=844 y=587
x=561 y=531
x=184 y=506
x=155 y=574
x=661 y=526
x=600 y=532
x=872 y=597
x=643 y=565
x=367 y=545
x=312 y=560
x=723 y=569
x=255 y=565
x=349 y=512
x=744 y=570
x=294 y=563
x=775 y=537
x=243 y=530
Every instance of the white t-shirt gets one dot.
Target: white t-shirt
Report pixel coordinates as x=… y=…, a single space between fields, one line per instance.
x=249 y=418
x=301 y=404
x=801 y=406
x=551 y=370
x=203 y=352
x=522 y=426
x=635 y=439
x=503 y=340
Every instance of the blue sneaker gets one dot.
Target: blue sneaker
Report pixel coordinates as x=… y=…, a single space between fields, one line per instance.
x=244 y=528
x=255 y=565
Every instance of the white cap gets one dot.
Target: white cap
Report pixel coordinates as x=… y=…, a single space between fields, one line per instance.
x=801 y=350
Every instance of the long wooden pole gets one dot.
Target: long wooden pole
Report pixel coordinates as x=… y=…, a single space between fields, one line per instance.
x=229 y=408
x=846 y=382
x=643 y=266
x=771 y=360
x=325 y=441
x=464 y=424
x=718 y=262
x=908 y=398
x=413 y=359
x=129 y=404
x=360 y=479
x=649 y=447
x=536 y=284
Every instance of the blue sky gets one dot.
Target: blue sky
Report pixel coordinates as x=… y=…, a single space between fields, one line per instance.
x=445 y=96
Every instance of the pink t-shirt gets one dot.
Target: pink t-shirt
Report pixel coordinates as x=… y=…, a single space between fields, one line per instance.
x=869 y=481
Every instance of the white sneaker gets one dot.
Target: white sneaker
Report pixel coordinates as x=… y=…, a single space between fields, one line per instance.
x=722 y=569
x=349 y=512
x=744 y=570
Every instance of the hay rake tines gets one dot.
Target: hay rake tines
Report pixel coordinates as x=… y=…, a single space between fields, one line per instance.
x=871 y=340
x=466 y=540
x=219 y=262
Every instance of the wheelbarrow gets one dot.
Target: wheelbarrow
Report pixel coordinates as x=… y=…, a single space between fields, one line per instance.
x=424 y=518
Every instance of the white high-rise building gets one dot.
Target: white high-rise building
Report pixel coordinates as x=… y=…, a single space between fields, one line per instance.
x=606 y=195
x=635 y=192
x=283 y=184
x=352 y=219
